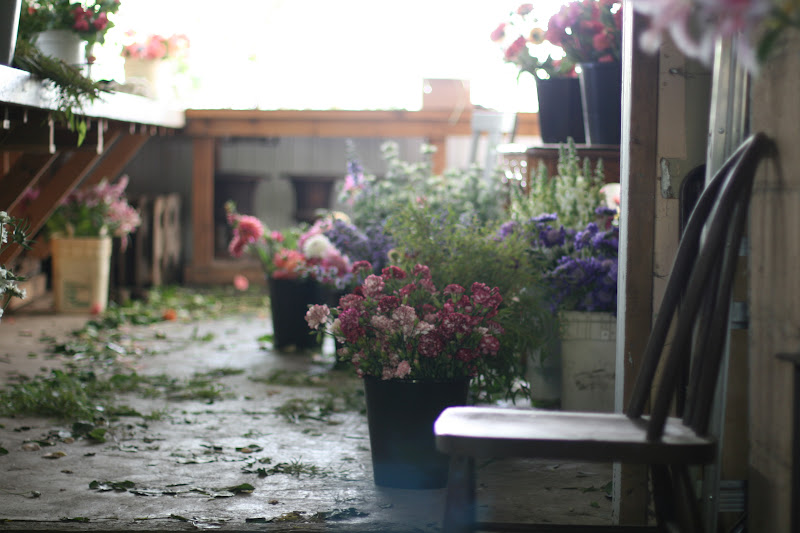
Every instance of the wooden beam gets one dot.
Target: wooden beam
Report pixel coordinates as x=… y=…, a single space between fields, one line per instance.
x=25 y=173
x=76 y=167
x=638 y=179
x=203 y=202
x=425 y=124
x=122 y=147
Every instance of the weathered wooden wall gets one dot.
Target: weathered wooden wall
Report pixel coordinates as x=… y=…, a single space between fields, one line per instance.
x=774 y=292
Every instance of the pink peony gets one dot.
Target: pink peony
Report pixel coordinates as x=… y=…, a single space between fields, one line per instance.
x=249 y=228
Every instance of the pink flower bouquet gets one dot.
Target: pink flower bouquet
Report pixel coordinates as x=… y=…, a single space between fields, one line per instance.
x=402 y=326
x=289 y=255
x=96 y=211
x=155 y=47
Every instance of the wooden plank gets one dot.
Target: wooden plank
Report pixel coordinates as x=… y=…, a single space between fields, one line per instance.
x=226 y=123
x=203 y=201
x=122 y=147
x=66 y=178
x=638 y=178
x=25 y=173
x=774 y=289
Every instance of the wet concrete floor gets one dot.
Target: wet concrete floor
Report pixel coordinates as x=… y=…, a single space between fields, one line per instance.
x=246 y=462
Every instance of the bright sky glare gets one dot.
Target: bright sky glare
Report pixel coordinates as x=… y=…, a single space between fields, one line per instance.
x=318 y=54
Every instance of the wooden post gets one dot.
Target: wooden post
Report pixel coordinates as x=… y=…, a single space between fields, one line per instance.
x=774 y=291
x=638 y=157
x=203 y=201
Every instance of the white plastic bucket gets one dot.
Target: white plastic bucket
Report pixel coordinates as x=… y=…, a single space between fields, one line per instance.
x=588 y=361
x=62 y=44
x=80 y=274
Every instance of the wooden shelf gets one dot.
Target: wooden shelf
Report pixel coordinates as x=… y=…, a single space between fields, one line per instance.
x=35 y=151
x=19 y=88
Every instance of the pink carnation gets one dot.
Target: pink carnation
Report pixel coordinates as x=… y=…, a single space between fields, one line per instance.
x=405 y=317
x=317 y=315
x=403 y=369
x=373 y=286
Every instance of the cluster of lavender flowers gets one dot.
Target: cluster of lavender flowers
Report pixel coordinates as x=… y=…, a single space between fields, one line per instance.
x=368 y=244
x=581 y=263
x=397 y=325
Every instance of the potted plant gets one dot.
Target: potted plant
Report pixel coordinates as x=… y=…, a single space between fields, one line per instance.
x=523 y=43
x=80 y=237
x=448 y=222
x=590 y=33
x=549 y=217
x=65 y=29
x=13 y=232
x=416 y=344
x=298 y=264
x=148 y=60
x=580 y=272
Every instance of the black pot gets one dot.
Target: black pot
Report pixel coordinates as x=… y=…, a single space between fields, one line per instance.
x=9 y=23
x=400 y=415
x=560 y=110
x=289 y=300
x=601 y=91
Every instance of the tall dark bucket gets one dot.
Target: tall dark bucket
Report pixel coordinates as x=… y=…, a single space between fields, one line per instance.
x=9 y=24
x=400 y=415
x=560 y=110
x=601 y=90
x=289 y=300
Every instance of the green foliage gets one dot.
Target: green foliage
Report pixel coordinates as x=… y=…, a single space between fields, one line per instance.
x=374 y=199
x=573 y=194
x=73 y=90
x=464 y=252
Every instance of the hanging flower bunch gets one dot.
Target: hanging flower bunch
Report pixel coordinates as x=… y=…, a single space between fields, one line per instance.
x=89 y=19
x=397 y=325
x=155 y=47
x=695 y=26
x=588 y=30
x=522 y=40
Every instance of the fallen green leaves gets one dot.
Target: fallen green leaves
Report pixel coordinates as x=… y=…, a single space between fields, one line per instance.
x=313 y=518
x=130 y=486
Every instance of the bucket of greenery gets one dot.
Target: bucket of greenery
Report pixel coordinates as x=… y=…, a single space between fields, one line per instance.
x=449 y=223
x=300 y=265
x=417 y=345
x=80 y=232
